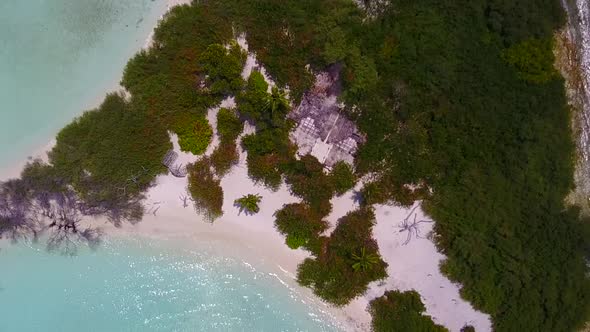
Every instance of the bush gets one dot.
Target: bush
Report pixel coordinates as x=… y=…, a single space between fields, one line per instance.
x=299 y=223
x=194 y=133
x=331 y=274
x=110 y=148
x=252 y=101
x=342 y=177
x=397 y=311
x=268 y=151
x=223 y=68
x=308 y=181
x=224 y=157
x=295 y=242
x=205 y=190
x=229 y=126
x=533 y=59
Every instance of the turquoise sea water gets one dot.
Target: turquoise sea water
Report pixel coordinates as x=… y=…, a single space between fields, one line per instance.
x=59 y=57
x=139 y=285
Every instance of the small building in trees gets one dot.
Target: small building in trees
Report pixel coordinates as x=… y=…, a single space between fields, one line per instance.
x=322 y=129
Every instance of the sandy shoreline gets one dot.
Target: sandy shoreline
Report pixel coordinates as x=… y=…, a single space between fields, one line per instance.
x=254 y=239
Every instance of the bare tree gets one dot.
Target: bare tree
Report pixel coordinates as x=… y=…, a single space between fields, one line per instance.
x=184 y=199
x=410 y=225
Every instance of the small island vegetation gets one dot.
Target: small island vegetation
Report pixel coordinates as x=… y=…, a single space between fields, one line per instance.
x=397 y=311
x=460 y=108
x=332 y=273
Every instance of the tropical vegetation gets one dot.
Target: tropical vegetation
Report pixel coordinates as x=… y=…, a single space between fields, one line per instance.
x=249 y=203
x=401 y=311
x=460 y=108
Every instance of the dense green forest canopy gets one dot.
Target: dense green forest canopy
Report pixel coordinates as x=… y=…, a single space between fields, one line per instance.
x=448 y=104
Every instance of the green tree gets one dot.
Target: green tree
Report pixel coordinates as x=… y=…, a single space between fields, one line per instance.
x=397 y=311
x=533 y=59
x=277 y=106
x=252 y=100
x=194 y=133
x=205 y=190
x=248 y=203
x=364 y=261
x=342 y=177
x=229 y=125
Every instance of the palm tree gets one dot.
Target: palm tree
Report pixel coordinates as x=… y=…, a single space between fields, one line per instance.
x=277 y=105
x=364 y=261
x=248 y=203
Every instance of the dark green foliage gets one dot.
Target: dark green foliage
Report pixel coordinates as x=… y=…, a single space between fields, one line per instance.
x=494 y=148
x=308 y=181
x=205 y=190
x=276 y=108
x=111 y=153
x=223 y=68
x=224 y=157
x=165 y=79
x=252 y=101
x=331 y=274
x=299 y=223
x=194 y=133
x=229 y=126
x=364 y=261
x=468 y=328
x=342 y=177
x=403 y=312
x=268 y=151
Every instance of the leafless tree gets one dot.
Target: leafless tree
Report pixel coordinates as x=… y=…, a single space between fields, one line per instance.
x=184 y=199
x=410 y=224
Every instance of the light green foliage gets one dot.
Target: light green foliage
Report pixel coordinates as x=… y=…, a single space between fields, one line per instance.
x=249 y=203
x=397 y=311
x=229 y=125
x=295 y=242
x=194 y=133
x=205 y=190
x=533 y=59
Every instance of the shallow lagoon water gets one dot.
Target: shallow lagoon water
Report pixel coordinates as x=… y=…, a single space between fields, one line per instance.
x=146 y=285
x=60 y=57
